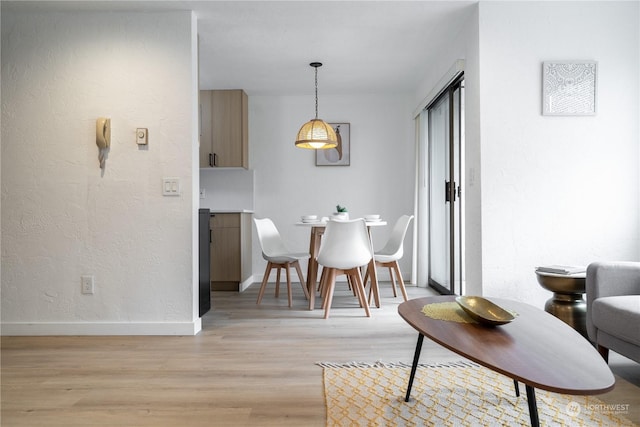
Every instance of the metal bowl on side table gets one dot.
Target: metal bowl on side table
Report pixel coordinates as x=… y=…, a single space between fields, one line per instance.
x=567 y=303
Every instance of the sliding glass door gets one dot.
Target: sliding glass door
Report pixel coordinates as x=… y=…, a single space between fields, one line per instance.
x=445 y=119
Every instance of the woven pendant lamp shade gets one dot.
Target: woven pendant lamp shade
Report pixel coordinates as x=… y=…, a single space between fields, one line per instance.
x=316 y=134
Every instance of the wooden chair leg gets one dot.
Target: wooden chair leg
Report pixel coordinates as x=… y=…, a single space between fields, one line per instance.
x=361 y=296
x=324 y=277
x=322 y=285
x=393 y=282
x=360 y=291
x=288 y=271
x=330 y=285
x=278 y=282
x=396 y=267
x=374 y=283
x=350 y=284
x=365 y=280
x=302 y=281
x=264 y=282
x=370 y=281
x=320 y=281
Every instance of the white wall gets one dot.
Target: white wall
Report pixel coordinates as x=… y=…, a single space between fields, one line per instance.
x=227 y=189
x=556 y=190
x=61 y=216
x=288 y=184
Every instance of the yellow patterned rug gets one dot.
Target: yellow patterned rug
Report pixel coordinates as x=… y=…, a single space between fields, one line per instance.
x=453 y=394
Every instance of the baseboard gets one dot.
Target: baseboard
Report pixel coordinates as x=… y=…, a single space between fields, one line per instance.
x=225 y=286
x=248 y=282
x=116 y=328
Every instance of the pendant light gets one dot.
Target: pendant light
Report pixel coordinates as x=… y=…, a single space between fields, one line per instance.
x=316 y=134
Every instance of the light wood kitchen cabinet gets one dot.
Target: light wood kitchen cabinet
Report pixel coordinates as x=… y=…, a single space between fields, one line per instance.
x=224 y=130
x=230 y=250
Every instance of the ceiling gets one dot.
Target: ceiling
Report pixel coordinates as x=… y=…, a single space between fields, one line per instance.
x=365 y=46
x=265 y=47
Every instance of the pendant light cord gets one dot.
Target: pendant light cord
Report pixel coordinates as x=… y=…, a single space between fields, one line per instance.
x=316 y=92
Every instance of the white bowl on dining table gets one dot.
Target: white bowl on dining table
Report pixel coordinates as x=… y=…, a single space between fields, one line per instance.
x=309 y=218
x=372 y=218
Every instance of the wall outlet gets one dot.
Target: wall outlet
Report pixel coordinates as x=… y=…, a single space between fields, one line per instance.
x=203 y=193
x=87 y=286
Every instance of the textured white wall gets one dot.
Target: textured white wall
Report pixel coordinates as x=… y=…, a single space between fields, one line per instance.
x=561 y=190
x=62 y=217
x=288 y=184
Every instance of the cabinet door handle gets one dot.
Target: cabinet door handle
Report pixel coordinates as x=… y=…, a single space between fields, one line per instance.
x=215 y=159
x=210 y=159
x=210 y=237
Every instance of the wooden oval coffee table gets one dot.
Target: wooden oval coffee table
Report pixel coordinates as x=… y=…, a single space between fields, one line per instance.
x=536 y=348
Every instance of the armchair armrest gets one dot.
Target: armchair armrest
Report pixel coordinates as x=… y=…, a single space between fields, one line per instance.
x=605 y=279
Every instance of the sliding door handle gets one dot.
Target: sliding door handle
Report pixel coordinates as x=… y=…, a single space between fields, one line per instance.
x=447 y=191
x=450 y=191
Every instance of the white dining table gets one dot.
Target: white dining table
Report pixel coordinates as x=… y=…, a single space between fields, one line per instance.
x=317 y=230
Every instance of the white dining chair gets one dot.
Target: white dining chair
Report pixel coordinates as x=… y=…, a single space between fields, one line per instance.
x=392 y=252
x=278 y=256
x=345 y=247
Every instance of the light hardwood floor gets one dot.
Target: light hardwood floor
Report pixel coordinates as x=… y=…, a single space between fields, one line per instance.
x=250 y=366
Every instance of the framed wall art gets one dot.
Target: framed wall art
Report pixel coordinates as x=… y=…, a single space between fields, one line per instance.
x=340 y=155
x=569 y=88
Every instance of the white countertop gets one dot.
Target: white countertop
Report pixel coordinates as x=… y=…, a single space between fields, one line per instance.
x=215 y=211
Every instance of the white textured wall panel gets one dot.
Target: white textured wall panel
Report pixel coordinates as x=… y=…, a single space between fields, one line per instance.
x=556 y=190
x=62 y=216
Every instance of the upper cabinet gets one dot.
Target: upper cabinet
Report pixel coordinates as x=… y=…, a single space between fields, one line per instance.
x=224 y=130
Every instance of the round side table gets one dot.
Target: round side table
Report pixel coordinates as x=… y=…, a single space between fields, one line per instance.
x=567 y=303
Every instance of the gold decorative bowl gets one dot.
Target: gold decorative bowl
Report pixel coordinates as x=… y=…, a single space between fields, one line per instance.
x=484 y=311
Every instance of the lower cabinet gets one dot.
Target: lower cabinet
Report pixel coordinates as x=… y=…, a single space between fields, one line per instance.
x=230 y=250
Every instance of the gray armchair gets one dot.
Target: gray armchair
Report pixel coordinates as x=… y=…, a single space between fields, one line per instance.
x=613 y=307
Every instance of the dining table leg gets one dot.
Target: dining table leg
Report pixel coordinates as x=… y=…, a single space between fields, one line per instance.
x=312 y=269
x=373 y=275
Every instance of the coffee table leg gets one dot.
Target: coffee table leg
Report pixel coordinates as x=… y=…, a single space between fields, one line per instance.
x=533 y=408
x=416 y=357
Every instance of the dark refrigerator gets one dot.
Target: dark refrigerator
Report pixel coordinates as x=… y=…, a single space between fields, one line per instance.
x=204 y=249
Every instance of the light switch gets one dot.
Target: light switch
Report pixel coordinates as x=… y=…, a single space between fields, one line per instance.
x=142 y=136
x=170 y=186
